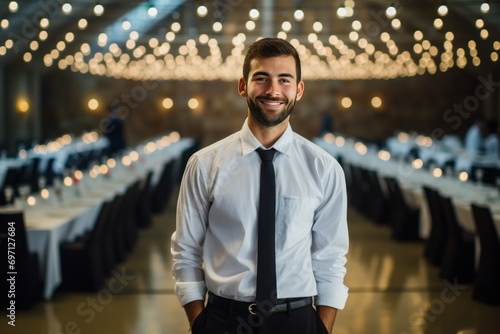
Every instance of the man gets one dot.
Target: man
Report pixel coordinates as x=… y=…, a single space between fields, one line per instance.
x=113 y=129
x=474 y=139
x=215 y=246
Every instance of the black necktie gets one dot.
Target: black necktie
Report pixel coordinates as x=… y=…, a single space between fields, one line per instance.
x=266 y=259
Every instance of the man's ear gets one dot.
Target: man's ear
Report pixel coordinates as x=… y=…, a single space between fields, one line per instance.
x=242 y=87
x=300 y=90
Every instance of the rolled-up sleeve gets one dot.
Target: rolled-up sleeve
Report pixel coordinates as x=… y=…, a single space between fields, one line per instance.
x=188 y=239
x=331 y=241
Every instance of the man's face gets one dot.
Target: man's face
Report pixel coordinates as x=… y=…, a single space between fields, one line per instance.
x=272 y=89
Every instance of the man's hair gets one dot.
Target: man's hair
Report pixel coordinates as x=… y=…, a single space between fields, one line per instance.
x=271 y=47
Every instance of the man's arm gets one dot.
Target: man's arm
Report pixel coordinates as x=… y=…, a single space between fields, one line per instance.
x=193 y=310
x=188 y=239
x=329 y=247
x=327 y=315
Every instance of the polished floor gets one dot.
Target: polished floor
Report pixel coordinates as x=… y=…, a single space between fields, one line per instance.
x=392 y=291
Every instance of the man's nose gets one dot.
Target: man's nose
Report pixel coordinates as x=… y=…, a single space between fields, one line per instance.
x=273 y=88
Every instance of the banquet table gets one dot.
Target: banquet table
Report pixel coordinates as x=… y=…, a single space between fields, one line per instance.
x=412 y=181
x=57 y=219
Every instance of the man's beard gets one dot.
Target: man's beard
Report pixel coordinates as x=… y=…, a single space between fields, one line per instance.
x=269 y=118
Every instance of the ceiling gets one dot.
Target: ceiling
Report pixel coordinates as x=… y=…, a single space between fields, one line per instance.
x=179 y=44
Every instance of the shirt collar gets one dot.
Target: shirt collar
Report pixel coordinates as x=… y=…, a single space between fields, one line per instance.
x=249 y=143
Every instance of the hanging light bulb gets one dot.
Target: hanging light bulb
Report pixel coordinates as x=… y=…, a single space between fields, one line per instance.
x=341 y=12
x=442 y=10
x=254 y=14
x=286 y=26
x=98 y=9
x=317 y=26
x=126 y=25
x=152 y=12
x=13 y=6
x=67 y=8
x=298 y=15
x=217 y=26
x=202 y=11
x=391 y=12
x=485 y=7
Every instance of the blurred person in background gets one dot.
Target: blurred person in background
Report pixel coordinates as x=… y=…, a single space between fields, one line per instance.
x=474 y=141
x=113 y=129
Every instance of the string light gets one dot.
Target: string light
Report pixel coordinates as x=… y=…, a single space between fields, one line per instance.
x=254 y=14
x=67 y=8
x=298 y=15
x=172 y=57
x=152 y=12
x=485 y=7
x=98 y=9
x=13 y=6
x=390 y=12
x=126 y=25
x=442 y=10
x=202 y=11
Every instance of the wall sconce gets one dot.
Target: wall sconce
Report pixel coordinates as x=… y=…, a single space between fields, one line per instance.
x=346 y=102
x=93 y=104
x=193 y=103
x=376 y=102
x=167 y=103
x=22 y=105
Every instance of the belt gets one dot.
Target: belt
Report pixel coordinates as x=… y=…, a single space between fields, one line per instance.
x=253 y=307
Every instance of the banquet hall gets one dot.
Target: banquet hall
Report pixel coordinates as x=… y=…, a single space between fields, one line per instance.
x=102 y=103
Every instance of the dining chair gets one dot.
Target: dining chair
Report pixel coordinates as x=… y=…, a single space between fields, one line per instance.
x=107 y=238
x=458 y=264
x=82 y=260
x=404 y=220
x=28 y=283
x=129 y=217
x=49 y=172
x=488 y=272
x=160 y=193
x=13 y=179
x=378 y=204
x=143 y=210
x=435 y=244
x=360 y=192
x=116 y=229
x=31 y=175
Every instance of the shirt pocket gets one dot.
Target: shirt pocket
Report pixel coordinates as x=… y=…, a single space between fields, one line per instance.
x=294 y=221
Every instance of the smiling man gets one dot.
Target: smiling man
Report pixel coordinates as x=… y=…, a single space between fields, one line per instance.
x=261 y=216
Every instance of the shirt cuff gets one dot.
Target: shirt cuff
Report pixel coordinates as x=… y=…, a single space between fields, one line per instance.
x=190 y=291
x=334 y=296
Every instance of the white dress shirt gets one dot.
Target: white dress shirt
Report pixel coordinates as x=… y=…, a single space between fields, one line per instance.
x=214 y=245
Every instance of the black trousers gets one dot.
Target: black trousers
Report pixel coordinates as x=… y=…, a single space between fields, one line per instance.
x=219 y=320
